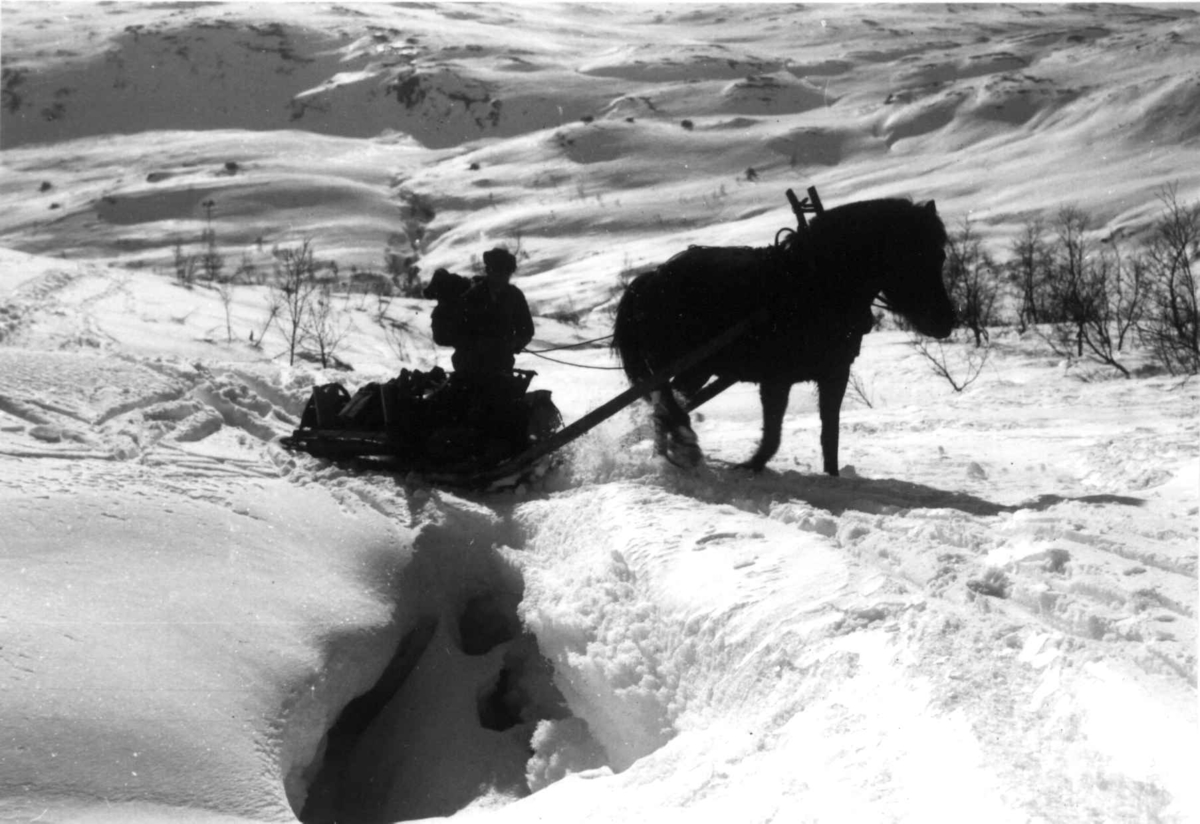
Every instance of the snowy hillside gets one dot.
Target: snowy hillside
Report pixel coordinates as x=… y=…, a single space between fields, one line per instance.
x=990 y=614
x=440 y=127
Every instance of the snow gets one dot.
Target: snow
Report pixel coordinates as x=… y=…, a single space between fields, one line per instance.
x=990 y=613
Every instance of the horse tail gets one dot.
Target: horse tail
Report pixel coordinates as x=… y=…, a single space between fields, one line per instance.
x=628 y=341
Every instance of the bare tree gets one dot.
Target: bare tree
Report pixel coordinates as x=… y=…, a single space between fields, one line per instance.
x=225 y=287
x=1095 y=297
x=1027 y=271
x=1069 y=289
x=972 y=281
x=325 y=324
x=185 y=266
x=211 y=261
x=292 y=292
x=1119 y=284
x=1171 y=327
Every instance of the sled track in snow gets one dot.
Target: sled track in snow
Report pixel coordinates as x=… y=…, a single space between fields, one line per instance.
x=138 y=415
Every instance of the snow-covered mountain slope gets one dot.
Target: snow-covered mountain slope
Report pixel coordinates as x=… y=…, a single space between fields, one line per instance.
x=560 y=127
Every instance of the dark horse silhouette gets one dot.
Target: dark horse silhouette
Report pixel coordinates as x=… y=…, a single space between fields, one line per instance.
x=808 y=300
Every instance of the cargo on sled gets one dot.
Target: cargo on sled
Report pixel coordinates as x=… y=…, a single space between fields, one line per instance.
x=451 y=427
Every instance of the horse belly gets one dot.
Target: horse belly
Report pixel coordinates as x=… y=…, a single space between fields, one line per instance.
x=759 y=360
x=703 y=292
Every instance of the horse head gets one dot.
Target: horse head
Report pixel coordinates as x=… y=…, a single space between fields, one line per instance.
x=913 y=285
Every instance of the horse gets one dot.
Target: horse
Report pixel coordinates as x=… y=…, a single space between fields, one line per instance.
x=805 y=302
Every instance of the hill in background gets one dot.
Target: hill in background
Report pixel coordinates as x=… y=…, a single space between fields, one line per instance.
x=574 y=132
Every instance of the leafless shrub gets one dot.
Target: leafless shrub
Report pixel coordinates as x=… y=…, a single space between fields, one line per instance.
x=1027 y=271
x=1095 y=298
x=293 y=292
x=860 y=390
x=325 y=324
x=212 y=262
x=1171 y=327
x=958 y=364
x=185 y=267
x=972 y=281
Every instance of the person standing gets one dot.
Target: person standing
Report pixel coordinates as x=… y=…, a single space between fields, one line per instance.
x=491 y=322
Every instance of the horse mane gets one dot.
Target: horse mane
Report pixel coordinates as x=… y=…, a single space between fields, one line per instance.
x=792 y=250
x=844 y=218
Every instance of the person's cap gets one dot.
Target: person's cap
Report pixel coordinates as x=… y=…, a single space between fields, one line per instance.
x=500 y=261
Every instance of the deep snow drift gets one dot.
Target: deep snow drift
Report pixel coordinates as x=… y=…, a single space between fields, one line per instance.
x=992 y=613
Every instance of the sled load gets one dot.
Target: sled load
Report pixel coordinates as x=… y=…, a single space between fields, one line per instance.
x=451 y=426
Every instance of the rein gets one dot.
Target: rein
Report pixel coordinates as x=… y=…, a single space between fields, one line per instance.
x=566 y=346
x=568 y=363
x=541 y=354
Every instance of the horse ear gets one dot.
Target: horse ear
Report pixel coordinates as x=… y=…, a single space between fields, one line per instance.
x=931 y=207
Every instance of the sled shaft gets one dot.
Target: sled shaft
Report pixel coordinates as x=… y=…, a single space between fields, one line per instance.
x=708 y=392
x=602 y=413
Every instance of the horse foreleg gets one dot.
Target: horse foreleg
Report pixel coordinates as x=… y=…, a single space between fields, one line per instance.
x=673 y=435
x=774 y=395
x=831 y=390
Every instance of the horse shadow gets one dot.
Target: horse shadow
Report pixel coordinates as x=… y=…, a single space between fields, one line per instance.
x=877 y=496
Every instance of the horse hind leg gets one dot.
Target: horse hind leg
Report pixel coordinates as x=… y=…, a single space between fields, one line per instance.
x=674 y=438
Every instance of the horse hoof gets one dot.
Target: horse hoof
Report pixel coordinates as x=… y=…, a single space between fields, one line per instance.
x=685 y=455
x=686 y=436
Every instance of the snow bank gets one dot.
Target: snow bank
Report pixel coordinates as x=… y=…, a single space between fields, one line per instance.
x=649 y=606
x=129 y=615
x=733 y=665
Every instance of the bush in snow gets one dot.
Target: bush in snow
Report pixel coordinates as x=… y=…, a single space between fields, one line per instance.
x=1171 y=327
x=959 y=365
x=304 y=308
x=185 y=267
x=1093 y=298
x=972 y=281
x=1027 y=271
x=326 y=323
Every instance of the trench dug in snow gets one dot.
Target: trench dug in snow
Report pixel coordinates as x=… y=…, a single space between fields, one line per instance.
x=449 y=722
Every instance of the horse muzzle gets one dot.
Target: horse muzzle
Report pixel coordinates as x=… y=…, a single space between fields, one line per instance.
x=935 y=326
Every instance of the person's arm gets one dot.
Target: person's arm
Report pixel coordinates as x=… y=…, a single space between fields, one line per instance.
x=522 y=321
